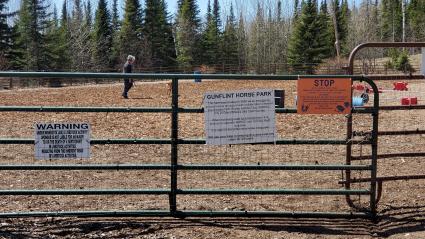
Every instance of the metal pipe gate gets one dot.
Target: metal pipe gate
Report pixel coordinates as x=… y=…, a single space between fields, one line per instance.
x=349 y=158
x=174 y=167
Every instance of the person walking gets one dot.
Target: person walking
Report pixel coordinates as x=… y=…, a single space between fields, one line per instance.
x=128 y=82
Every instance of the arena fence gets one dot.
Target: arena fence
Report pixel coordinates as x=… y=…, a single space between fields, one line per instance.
x=174 y=167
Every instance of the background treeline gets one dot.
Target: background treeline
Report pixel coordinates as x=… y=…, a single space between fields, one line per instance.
x=280 y=37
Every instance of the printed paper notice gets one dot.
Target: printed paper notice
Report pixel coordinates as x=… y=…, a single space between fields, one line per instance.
x=240 y=117
x=62 y=140
x=324 y=96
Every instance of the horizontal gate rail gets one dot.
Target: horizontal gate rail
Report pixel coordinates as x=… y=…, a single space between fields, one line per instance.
x=398 y=107
x=186 y=191
x=195 y=141
x=85 y=109
x=383 y=179
x=183 y=214
x=386 y=133
x=275 y=191
x=386 y=156
x=292 y=141
x=181 y=167
x=364 y=110
x=85 y=192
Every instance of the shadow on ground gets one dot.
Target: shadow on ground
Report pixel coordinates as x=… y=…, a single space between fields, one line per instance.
x=391 y=221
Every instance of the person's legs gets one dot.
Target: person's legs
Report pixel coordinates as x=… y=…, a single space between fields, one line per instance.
x=127 y=86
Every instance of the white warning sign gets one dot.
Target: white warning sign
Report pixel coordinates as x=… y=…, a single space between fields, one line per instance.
x=240 y=117
x=62 y=140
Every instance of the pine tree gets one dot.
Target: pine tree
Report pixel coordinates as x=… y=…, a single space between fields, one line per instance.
x=88 y=15
x=157 y=33
x=53 y=34
x=5 y=37
x=64 y=54
x=187 y=35
x=391 y=20
x=131 y=30
x=211 y=37
x=296 y=9
x=31 y=43
x=325 y=32
x=343 y=21
x=304 y=47
x=102 y=37
x=115 y=28
x=53 y=38
x=416 y=16
x=230 y=42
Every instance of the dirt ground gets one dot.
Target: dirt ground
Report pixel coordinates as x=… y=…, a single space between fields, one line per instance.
x=401 y=209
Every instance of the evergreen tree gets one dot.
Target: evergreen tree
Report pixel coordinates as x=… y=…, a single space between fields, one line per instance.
x=304 y=46
x=5 y=37
x=230 y=42
x=63 y=43
x=296 y=10
x=211 y=37
x=53 y=40
x=115 y=25
x=53 y=34
x=115 y=18
x=157 y=32
x=102 y=37
x=343 y=22
x=391 y=20
x=216 y=14
x=325 y=30
x=187 y=34
x=88 y=15
x=32 y=44
x=131 y=31
x=416 y=16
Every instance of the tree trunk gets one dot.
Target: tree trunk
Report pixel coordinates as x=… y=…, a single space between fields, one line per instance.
x=335 y=22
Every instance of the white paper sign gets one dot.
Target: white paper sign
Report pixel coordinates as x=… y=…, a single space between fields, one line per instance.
x=240 y=117
x=62 y=140
x=423 y=61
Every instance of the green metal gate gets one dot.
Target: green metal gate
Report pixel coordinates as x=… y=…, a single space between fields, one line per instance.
x=174 y=167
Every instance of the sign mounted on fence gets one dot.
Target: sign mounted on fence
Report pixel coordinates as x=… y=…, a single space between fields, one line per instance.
x=62 y=140
x=240 y=117
x=324 y=96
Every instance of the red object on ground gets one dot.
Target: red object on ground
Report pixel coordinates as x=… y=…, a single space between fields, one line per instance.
x=405 y=101
x=401 y=85
x=414 y=100
x=359 y=87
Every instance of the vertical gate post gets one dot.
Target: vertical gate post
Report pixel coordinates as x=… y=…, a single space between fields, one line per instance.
x=174 y=144
x=374 y=164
